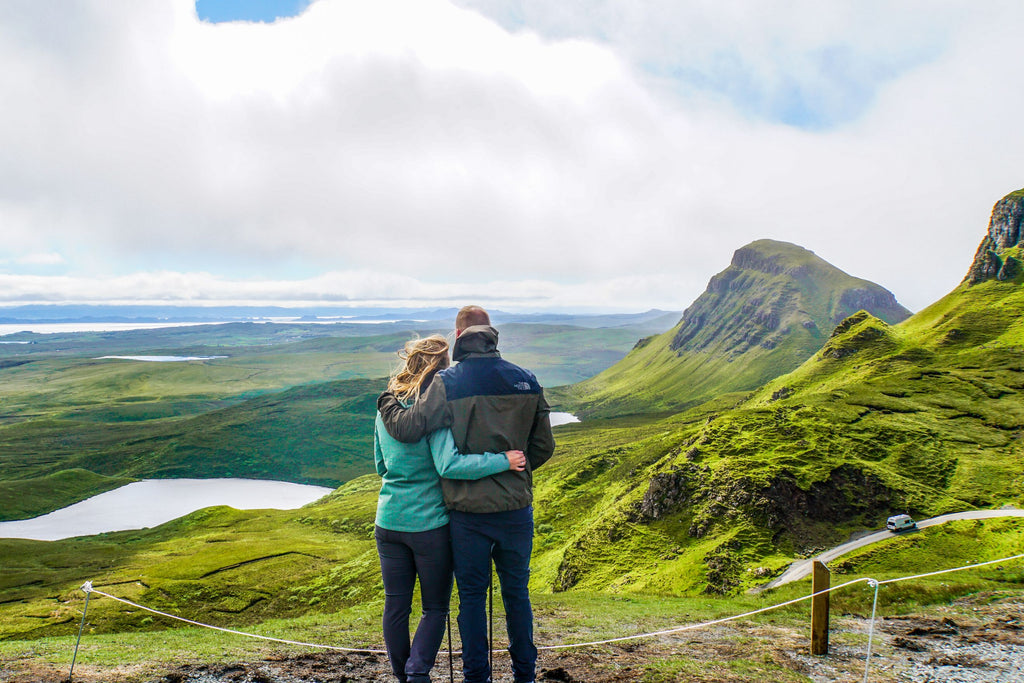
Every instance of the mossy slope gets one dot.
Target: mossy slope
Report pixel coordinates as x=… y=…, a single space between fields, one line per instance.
x=924 y=417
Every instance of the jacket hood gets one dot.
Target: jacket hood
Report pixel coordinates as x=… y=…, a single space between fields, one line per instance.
x=475 y=340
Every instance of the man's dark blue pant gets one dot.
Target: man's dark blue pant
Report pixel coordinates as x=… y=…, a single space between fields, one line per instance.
x=507 y=537
x=404 y=556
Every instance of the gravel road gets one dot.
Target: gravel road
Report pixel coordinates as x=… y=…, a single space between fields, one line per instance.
x=802 y=568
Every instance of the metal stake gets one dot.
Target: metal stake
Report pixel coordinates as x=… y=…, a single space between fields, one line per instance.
x=871 y=628
x=87 y=587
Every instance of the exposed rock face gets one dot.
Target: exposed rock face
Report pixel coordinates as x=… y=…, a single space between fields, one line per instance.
x=1005 y=231
x=780 y=506
x=864 y=299
x=846 y=493
x=669 y=492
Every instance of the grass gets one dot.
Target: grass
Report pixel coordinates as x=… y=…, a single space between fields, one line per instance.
x=562 y=618
x=291 y=402
x=27 y=497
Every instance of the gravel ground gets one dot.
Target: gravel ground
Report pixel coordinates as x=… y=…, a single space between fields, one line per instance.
x=980 y=640
x=980 y=645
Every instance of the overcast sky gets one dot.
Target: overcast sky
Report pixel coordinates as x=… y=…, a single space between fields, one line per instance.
x=520 y=154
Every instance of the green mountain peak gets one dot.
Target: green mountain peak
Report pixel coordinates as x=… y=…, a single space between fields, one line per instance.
x=779 y=286
x=771 y=309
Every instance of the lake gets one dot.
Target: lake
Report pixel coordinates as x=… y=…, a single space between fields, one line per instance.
x=161 y=359
x=152 y=502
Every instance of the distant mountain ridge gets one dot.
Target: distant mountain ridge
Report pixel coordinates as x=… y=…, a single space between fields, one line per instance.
x=92 y=313
x=766 y=313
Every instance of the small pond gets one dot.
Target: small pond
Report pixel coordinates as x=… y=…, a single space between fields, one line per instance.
x=562 y=418
x=152 y=502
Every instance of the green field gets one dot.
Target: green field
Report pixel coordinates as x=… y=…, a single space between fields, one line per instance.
x=290 y=402
x=311 y=575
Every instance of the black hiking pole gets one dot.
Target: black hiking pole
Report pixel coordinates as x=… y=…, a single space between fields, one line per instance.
x=490 y=621
x=451 y=664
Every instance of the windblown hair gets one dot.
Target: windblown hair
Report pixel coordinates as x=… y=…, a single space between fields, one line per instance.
x=421 y=359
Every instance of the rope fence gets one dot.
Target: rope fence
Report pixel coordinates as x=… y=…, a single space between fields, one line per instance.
x=88 y=589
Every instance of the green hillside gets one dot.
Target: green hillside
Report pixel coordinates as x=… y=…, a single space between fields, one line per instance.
x=924 y=417
x=223 y=564
x=761 y=317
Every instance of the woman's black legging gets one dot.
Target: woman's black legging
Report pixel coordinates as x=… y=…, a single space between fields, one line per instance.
x=404 y=555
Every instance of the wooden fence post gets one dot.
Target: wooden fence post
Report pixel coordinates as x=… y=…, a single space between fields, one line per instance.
x=820 y=581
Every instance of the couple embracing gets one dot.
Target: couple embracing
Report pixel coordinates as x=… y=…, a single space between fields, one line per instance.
x=456 y=448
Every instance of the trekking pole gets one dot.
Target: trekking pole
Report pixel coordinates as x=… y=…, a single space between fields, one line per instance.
x=490 y=626
x=451 y=665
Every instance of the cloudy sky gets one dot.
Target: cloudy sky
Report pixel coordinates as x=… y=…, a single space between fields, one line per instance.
x=523 y=154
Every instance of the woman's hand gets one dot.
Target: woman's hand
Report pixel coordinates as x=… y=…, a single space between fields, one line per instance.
x=516 y=460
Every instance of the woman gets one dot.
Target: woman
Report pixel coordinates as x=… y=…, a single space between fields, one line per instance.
x=412 y=521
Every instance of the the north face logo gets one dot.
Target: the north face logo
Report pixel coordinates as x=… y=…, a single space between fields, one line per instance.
x=522 y=386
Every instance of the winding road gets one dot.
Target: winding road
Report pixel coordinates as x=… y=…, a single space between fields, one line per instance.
x=802 y=568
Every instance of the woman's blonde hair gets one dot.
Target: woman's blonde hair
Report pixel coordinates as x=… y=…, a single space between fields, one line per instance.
x=421 y=358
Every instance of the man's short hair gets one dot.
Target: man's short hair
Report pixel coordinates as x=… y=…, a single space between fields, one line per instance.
x=468 y=316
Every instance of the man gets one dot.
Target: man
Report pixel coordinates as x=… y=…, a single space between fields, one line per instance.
x=490 y=405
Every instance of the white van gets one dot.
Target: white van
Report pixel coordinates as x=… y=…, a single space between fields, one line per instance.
x=899 y=523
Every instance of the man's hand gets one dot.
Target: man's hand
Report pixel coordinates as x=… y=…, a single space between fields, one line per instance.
x=516 y=460
x=427 y=414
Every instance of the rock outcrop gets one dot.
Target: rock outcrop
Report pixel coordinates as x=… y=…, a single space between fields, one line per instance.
x=1005 y=233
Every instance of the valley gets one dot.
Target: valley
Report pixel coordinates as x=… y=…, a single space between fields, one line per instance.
x=790 y=407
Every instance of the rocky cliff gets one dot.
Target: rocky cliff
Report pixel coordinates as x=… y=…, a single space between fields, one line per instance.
x=998 y=256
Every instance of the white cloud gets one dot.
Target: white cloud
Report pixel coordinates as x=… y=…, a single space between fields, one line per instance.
x=40 y=259
x=376 y=141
